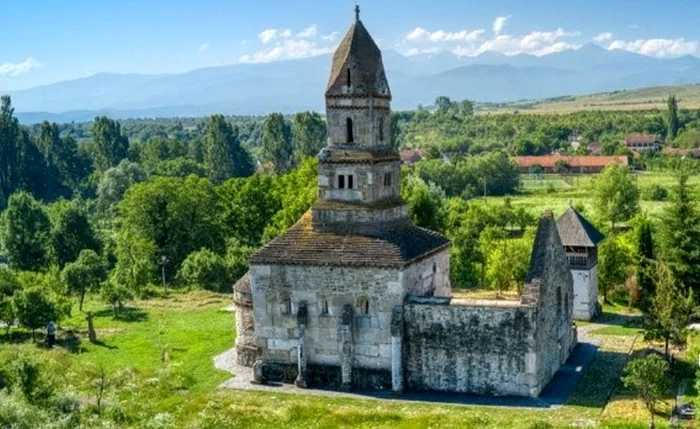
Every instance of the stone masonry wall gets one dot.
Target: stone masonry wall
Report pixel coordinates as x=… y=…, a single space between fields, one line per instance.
x=275 y=326
x=486 y=350
x=368 y=181
x=585 y=293
x=429 y=277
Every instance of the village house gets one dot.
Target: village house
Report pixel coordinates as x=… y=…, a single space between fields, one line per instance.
x=638 y=142
x=558 y=163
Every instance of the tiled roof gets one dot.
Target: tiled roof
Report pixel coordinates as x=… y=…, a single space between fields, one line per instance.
x=393 y=247
x=369 y=73
x=243 y=284
x=412 y=155
x=639 y=138
x=548 y=161
x=575 y=230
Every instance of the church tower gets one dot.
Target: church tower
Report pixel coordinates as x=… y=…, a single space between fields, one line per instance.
x=359 y=170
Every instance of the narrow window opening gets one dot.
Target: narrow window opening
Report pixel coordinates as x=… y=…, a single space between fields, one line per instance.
x=381 y=129
x=558 y=301
x=350 y=136
x=351 y=185
x=387 y=179
x=324 y=307
x=341 y=181
x=366 y=308
x=363 y=305
x=286 y=304
x=348 y=75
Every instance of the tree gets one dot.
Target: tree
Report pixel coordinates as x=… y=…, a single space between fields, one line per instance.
x=110 y=146
x=443 y=104
x=613 y=263
x=116 y=181
x=116 y=295
x=9 y=152
x=26 y=233
x=508 y=262
x=224 y=157
x=672 y=117
x=308 y=134
x=35 y=309
x=425 y=202
x=680 y=236
x=277 y=145
x=616 y=195
x=645 y=258
x=207 y=270
x=9 y=285
x=650 y=377
x=71 y=232
x=671 y=309
x=135 y=266
x=62 y=156
x=85 y=274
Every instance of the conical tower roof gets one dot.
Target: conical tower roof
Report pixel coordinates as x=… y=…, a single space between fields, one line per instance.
x=360 y=54
x=576 y=230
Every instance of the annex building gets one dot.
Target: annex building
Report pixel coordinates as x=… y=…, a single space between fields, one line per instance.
x=355 y=296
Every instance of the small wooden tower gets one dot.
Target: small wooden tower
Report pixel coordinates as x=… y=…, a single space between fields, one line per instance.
x=580 y=240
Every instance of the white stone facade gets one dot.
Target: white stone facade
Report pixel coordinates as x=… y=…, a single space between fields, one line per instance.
x=585 y=293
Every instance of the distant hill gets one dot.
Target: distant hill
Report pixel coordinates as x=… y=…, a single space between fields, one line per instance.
x=296 y=85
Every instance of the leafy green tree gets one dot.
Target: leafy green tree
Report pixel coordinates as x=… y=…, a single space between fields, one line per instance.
x=26 y=233
x=308 y=134
x=224 y=157
x=277 y=147
x=680 y=235
x=650 y=377
x=85 y=274
x=63 y=156
x=116 y=181
x=671 y=309
x=443 y=104
x=644 y=266
x=207 y=270
x=237 y=256
x=425 y=202
x=673 y=123
x=110 y=146
x=9 y=151
x=116 y=295
x=135 y=263
x=35 y=309
x=9 y=285
x=71 y=232
x=508 y=262
x=613 y=262
x=616 y=195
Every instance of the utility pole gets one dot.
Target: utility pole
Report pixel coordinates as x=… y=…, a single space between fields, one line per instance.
x=163 y=260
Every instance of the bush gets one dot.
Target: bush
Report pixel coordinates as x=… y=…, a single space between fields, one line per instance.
x=35 y=309
x=656 y=192
x=205 y=269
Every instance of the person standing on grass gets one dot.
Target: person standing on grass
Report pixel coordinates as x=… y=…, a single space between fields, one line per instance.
x=51 y=334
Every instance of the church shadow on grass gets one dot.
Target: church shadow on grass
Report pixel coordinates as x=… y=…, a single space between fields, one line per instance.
x=126 y=314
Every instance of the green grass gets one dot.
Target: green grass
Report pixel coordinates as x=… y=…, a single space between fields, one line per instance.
x=617 y=330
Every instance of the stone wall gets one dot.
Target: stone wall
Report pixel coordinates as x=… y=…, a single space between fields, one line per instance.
x=429 y=277
x=368 y=116
x=486 y=350
x=368 y=181
x=585 y=293
x=321 y=288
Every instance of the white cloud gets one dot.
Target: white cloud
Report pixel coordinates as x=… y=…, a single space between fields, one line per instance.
x=416 y=51
x=660 y=48
x=203 y=47
x=16 y=69
x=308 y=32
x=286 y=50
x=266 y=36
x=330 y=37
x=603 y=37
x=499 y=23
x=537 y=43
x=423 y=35
x=285 y=34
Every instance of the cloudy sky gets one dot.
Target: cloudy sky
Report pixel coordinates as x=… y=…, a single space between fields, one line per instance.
x=46 y=41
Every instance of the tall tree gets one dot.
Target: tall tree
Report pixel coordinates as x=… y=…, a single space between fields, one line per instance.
x=613 y=263
x=84 y=274
x=62 y=153
x=645 y=258
x=650 y=377
x=9 y=153
x=26 y=233
x=225 y=157
x=680 y=235
x=616 y=195
x=277 y=145
x=71 y=233
x=308 y=134
x=115 y=182
x=109 y=144
x=672 y=117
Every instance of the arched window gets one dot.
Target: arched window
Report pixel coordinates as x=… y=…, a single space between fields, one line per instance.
x=348 y=82
x=349 y=134
x=363 y=305
x=285 y=303
x=381 y=128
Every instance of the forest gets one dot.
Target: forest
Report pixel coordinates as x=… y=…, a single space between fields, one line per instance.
x=116 y=212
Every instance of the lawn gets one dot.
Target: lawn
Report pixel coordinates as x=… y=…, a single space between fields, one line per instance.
x=189 y=329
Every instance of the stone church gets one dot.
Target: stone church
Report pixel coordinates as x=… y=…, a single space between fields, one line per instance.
x=356 y=296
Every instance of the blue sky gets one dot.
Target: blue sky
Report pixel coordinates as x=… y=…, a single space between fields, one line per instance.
x=47 y=41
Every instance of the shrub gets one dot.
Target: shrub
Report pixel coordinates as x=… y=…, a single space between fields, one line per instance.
x=656 y=192
x=205 y=269
x=35 y=309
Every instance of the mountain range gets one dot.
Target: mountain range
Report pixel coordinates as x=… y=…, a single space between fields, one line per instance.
x=297 y=85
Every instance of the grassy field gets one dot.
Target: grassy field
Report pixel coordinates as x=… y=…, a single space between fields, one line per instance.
x=633 y=99
x=186 y=331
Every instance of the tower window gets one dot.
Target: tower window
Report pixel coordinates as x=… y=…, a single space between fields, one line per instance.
x=351 y=185
x=324 y=307
x=341 y=181
x=363 y=305
x=558 y=301
x=381 y=129
x=285 y=304
x=350 y=137
x=348 y=77
x=387 y=179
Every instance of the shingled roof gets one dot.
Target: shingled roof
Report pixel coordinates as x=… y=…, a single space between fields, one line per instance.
x=368 y=75
x=394 y=247
x=576 y=230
